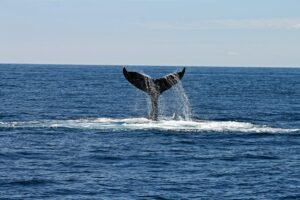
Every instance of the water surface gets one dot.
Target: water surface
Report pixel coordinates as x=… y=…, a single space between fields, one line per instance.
x=81 y=132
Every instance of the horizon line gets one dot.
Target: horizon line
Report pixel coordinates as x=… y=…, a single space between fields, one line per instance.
x=149 y=65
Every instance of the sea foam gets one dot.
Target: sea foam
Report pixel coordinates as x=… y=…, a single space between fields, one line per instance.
x=133 y=124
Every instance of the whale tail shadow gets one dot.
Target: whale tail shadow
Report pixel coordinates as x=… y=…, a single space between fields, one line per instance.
x=153 y=87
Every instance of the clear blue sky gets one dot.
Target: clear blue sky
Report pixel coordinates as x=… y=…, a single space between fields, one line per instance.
x=151 y=32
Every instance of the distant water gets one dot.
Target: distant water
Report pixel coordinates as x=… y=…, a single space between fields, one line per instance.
x=81 y=132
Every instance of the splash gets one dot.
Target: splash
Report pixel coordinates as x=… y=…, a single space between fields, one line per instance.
x=183 y=102
x=175 y=103
x=138 y=124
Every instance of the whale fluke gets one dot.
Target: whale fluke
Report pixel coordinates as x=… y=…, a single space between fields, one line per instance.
x=153 y=87
x=169 y=80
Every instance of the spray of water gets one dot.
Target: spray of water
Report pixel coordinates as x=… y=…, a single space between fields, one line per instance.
x=174 y=103
x=183 y=102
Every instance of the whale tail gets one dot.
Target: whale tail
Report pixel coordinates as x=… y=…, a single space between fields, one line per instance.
x=153 y=87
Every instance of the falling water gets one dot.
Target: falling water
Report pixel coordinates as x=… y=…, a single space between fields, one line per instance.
x=173 y=103
x=182 y=102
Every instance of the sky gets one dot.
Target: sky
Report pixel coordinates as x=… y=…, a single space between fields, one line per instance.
x=151 y=32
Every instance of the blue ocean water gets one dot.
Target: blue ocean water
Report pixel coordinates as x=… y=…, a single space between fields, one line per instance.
x=81 y=132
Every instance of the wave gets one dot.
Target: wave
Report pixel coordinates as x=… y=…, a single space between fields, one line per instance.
x=132 y=124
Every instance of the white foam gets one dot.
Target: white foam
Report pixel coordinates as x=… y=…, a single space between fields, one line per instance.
x=132 y=124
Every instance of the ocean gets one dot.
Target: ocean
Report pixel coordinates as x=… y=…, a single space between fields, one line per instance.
x=81 y=132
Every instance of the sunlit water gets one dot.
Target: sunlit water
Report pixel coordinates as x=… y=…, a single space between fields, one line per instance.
x=81 y=132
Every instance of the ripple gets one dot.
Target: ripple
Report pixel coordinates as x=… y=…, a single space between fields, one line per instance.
x=30 y=182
